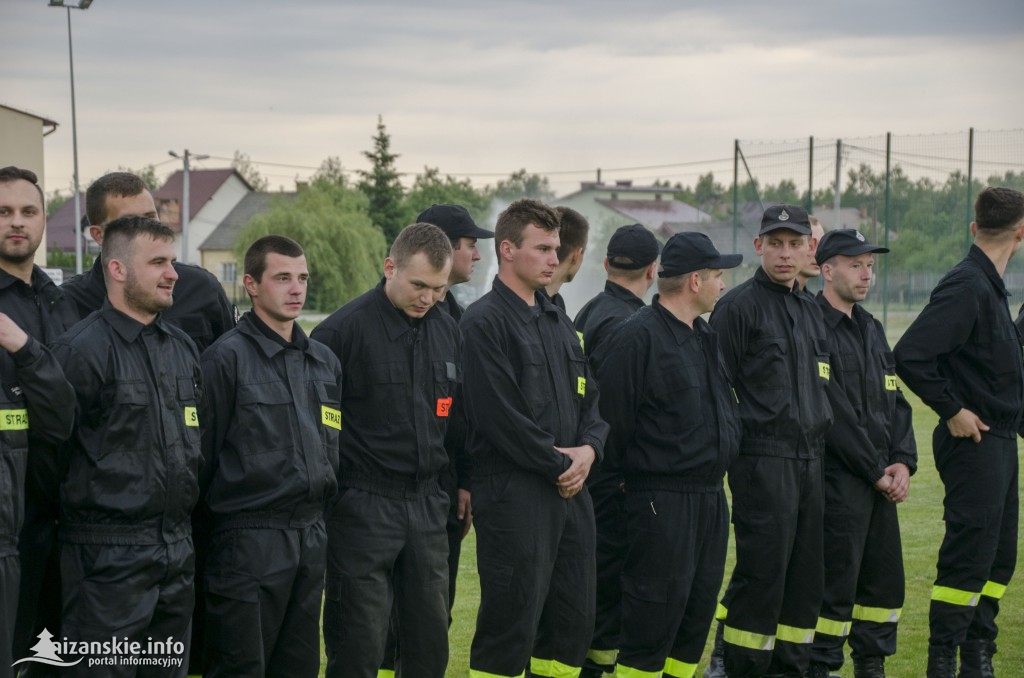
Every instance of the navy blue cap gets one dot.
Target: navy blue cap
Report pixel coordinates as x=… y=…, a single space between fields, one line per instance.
x=846 y=242
x=634 y=244
x=791 y=217
x=688 y=252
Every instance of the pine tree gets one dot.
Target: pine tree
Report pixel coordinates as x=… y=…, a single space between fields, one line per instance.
x=45 y=648
x=382 y=187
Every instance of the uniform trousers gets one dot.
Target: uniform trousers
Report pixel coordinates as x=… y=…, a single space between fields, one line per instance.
x=387 y=548
x=774 y=596
x=610 y=522
x=136 y=592
x=979 y=551
x=673 y=572
x=535 y=556
x=9 y=580
x=864 y=578
x=264 y=588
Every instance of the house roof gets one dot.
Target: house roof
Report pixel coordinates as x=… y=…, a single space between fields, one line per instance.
x=203 y=184
x=42 y=119
x=60 y=228
x=617 y=187
x=654 y=213
x=223 y=237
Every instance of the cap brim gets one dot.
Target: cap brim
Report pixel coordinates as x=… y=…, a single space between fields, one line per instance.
x=478 y=232
x=726 y=261
x=802 y=230
x=854 y=251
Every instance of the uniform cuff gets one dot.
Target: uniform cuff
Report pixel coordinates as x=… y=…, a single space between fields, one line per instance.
x=28 y=354
x=907 y=459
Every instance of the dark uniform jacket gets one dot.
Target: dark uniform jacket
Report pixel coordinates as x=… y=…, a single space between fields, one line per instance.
x=37 y=405
x=601 y=314
x=528 y=386
x=777 y=351
x=272 y=418
x=200 y=307
x=457 y=475
x=963 y=350
x=398 y=388
x=133 y=459
x=666 y=394
x=865 y=368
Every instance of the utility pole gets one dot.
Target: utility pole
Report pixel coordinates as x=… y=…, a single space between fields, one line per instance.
x=185 y=204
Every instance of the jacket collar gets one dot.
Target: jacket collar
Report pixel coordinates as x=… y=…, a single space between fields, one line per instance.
x=520 y=307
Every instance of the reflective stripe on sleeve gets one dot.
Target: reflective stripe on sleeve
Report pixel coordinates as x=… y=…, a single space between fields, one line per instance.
x=677 y=669
x=552 y=668
x=792 y=634
x=879 y=615
x=945 y=594
x=830 y=627
x=751 y=641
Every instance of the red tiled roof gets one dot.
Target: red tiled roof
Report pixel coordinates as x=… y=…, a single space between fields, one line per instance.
x=203 y=184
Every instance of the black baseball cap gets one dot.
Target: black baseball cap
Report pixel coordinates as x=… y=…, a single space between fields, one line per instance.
x=635 y=243
x=688 y=252
x=791 y=217
x=847 y=242
x=454 y=220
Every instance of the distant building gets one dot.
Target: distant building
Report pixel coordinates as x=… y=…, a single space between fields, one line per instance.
x=21 y=140
x=213 y=193
x=217 y=252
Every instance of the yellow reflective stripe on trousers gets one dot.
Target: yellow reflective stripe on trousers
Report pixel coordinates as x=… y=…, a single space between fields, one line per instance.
x=945 y=594
x=603 y=657
x=993 y=590
x=792 y=634
x=879 y=615
x=385 y=673
x=473 y=673
x=677 y=669
x=832 y=628
x=721 y=612
x=623 y=671
x=751 y=641
x=552 y=668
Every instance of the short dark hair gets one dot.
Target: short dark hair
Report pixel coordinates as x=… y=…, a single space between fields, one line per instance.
x=573 y=231
x=117 y=184
x=517 y=216
x=256 y=255
x=998 y=209
x=11 y=173
x=119 y=235
x=425 y=238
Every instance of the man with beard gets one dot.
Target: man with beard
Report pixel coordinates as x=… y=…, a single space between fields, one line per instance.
x=133 y=458
x=36 y=402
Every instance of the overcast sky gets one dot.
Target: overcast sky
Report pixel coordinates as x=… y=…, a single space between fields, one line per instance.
x=473 y=87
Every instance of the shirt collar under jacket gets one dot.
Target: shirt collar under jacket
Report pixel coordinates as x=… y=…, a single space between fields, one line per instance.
x=762 y=278
x=270 y=342
x=988 y=268
x=39 y=279
x=521 y=308
x=127 y=327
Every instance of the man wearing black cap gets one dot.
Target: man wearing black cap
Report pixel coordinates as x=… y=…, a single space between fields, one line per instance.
x=864 y=582
x=631 y=264
x=775 y=345
x=962 y=355
x=675 y=429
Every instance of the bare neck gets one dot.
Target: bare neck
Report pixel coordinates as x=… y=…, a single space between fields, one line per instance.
x=283 y=328
x=681 y=307
x=521 y=290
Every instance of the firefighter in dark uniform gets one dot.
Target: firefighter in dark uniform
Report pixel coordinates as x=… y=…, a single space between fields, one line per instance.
x=535 y=431
x=386 y=527
x=776 y=346
x=573 y=233
x=133 y=461
x=675 y=428
x=200 y=308
x=864 y=581
x=463 y=234
x=962 y=356
x=272 y=401
x=631 y=263
x=36 y=401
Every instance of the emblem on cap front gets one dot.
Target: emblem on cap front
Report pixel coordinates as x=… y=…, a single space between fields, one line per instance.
x=859 y=236
x=783 y=215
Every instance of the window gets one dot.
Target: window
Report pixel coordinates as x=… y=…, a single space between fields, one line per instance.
x=228 y=271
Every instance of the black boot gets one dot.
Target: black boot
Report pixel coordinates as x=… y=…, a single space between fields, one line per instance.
x=819 y=670
x=976 y=659
x=716 y=665
x=941 y=662
x=869 y=667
